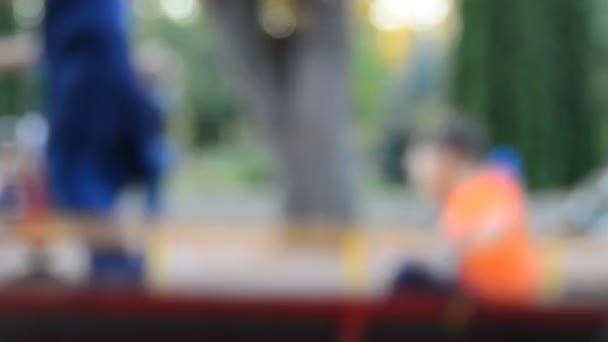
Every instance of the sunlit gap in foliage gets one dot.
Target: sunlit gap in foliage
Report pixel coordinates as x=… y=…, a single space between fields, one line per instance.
x=28 y=13
x=418 y=15
x=181 y=11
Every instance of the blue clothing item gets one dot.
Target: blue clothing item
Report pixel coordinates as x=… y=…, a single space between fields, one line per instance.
x=508 y=160
x=105 y=131
x=415 y=277
x=116 y=269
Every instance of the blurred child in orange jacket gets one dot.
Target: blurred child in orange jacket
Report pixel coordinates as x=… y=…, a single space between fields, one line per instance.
x=483 y=225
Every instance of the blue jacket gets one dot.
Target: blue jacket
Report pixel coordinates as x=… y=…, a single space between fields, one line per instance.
x=106 y=133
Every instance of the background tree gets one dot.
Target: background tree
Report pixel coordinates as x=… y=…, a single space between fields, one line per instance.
x=290 y=66
x=522 y=66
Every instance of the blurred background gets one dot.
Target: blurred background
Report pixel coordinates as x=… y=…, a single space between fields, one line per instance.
x=533 y=72
x=285 y=125
x=299 y=111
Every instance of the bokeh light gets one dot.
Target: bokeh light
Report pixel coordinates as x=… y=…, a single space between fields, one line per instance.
x=181 y=11
x=32 y=131
x=278 y=19
x=419 y=15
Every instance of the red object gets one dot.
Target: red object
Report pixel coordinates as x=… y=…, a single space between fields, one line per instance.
x=35 y=193
x=55 y=314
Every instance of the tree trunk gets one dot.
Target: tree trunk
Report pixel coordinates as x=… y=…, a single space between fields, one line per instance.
x=295 y=90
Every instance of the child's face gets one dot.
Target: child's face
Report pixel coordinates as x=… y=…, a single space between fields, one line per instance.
x=432 y=169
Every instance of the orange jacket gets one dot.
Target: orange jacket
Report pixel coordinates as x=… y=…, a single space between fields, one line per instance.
x=504 y=268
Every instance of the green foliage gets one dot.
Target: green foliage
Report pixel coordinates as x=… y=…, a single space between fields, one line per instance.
x=599 y=76
x=522 y=67
x=226 y=167
x=9 y=84
x=206 y=102
x=7 y=20
x=370 y=80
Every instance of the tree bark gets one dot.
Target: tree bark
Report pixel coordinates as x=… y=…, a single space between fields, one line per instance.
x=295 y=91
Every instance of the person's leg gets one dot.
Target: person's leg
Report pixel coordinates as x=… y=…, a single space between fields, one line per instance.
x=415 y=277
x=80 y=189
x=79 y=186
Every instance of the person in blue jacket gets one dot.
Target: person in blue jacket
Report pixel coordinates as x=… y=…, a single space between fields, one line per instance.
x=106 y=133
